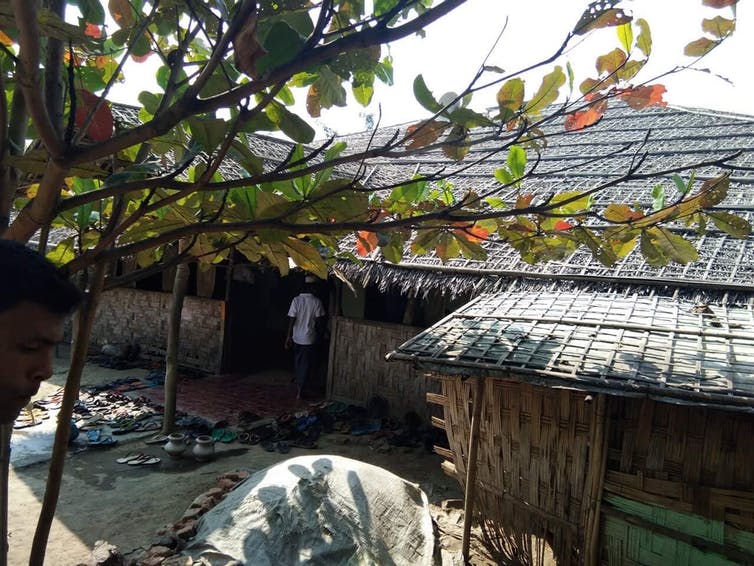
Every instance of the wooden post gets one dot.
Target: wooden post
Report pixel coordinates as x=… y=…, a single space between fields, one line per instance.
x=5 y=434
x=595 y=482
x=471 y=465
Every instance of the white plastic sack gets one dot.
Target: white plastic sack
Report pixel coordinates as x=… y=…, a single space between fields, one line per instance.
x=324 y=510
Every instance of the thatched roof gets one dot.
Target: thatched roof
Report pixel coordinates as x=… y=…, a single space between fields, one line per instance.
x=667 y=137
x=669 y=350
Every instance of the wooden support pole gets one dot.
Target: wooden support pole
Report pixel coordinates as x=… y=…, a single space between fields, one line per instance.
x=471 y=466
x=595 y=482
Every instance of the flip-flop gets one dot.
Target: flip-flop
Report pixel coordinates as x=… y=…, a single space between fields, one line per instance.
x=93 y=435
x=243 y=437
x=157 y=439
x=102 y=442
x=129 y=457
x=268 y=445
x=147 y=426
x=218 y=434
x=146 y=460
x=284 y=447
x=229 y=436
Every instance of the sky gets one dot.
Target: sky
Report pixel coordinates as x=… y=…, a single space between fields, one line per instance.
x=454 y=47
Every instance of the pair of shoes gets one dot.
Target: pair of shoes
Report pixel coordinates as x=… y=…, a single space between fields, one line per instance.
x=138 y=459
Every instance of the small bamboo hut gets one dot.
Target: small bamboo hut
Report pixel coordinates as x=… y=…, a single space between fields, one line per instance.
x=610 y=427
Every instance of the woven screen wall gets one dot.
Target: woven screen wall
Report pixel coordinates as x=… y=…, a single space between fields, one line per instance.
x=690 y=460
x=532 y=465
x=358 y=370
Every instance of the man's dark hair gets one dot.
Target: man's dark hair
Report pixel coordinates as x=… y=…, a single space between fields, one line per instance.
x=26 y=276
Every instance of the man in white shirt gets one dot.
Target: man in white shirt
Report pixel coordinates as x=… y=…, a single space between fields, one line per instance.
x=304 y=317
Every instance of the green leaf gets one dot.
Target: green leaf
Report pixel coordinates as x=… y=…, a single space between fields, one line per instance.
x=548 y=91
x=245 y=200
x=652 y=254
x=424 y=96
x=469 y=249
x=425 y=241
x=91 y=11
x=658 y=197
x=680 y=184
x=63 y=253
x=150 y=101
x=503 y=176
x=510 y=98
x=496 y=202
x=516 y=161
x=467 y=118
x=599 y=248
x=671 y=245
x=730 y=223
x=306 y=256
x=626 y=36
x=283 y=44
x=644 y=41
x=291 y=125
x=384 y=71
x=207 y=132
x=330 y=90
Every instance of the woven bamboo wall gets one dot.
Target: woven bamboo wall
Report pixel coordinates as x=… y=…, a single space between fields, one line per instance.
x=691 y=460
x=532 y=465
x=358 y=370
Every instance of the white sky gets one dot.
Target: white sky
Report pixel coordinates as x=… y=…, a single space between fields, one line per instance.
x=454 y=47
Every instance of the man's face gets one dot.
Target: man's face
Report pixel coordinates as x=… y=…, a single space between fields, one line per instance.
x=28 y=334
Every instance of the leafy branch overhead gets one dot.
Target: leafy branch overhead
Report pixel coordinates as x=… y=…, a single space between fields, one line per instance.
x=193 y=163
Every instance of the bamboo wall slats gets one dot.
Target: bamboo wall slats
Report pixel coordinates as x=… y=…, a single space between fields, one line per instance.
x=538 y=475
x=358 y=370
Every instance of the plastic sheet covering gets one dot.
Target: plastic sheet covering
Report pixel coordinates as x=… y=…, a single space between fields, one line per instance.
x=319 y=509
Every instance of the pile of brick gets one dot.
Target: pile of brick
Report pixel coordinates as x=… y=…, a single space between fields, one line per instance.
x=172 y=538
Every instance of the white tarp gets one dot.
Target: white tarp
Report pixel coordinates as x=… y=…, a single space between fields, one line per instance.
x=324 y=510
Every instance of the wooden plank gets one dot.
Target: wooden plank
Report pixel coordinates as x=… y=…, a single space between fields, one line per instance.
x=438 y=422
x=444 y=452
x=437 y=399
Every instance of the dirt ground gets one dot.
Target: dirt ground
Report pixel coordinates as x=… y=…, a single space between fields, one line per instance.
x=103 y=500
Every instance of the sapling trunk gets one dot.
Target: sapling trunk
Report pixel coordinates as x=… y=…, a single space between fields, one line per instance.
x=180 y=284
x=70 y=396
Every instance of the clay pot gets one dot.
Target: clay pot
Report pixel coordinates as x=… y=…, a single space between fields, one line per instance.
x=176 y=445
x=204 y=448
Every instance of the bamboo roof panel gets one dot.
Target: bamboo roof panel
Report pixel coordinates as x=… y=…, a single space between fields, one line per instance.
x=669 y=349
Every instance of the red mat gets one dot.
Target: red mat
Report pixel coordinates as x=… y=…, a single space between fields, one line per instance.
x=223 y=397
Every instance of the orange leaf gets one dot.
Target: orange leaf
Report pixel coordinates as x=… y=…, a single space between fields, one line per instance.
x=121 y=12
x=4 y=39
x=424 y=133
x=93 y=30
x=585 y=118
x=523 y=201
x=643 y=96
x=141 y=58
x=473 y=233
x=101 y=127
x=563 y=225
x=366 y=242
x=246 y=47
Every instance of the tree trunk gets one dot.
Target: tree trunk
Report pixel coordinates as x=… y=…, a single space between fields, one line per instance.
x=180 y=285
x=70 y=395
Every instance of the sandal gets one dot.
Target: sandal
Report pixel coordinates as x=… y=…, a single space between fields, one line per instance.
x=144 y=460
x=268 y=445
x=103 y=442
x=129 y=457
x=157 y=439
